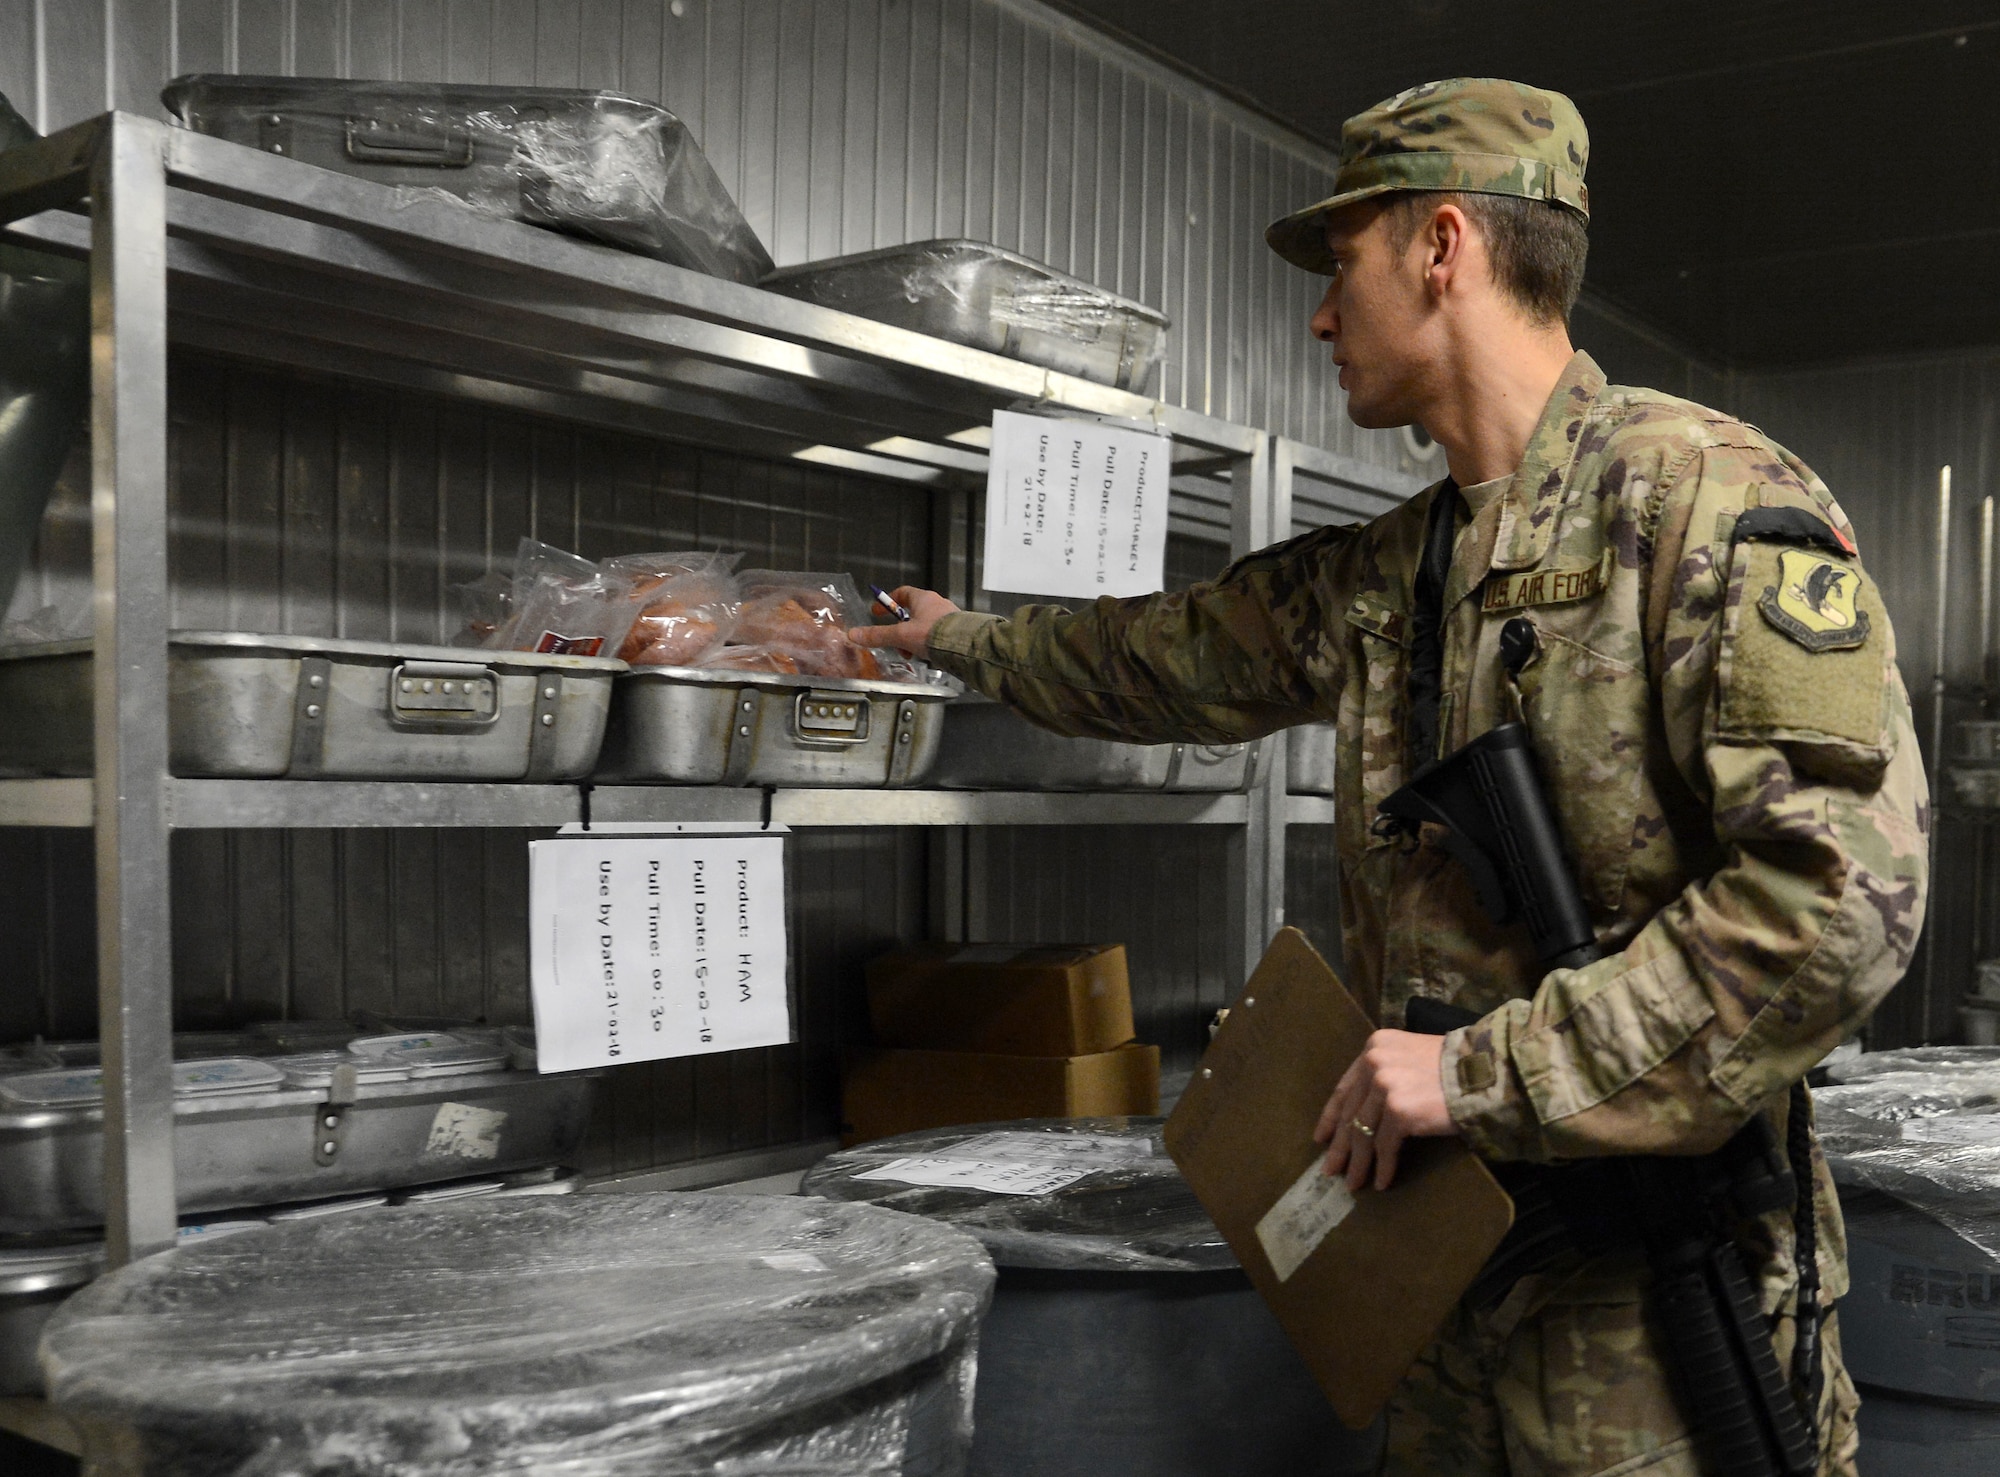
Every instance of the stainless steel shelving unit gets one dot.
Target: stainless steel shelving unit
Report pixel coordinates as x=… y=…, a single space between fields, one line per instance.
x=199 y=242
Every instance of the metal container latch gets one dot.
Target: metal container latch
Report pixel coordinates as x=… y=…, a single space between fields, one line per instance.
x=830 y=718
x=443 y=695
x=309 y=716
x=330 y=1122
x=903 y=748
x=411 y=139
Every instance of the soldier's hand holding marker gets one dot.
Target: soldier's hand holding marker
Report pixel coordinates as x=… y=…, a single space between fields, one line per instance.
x=916 y=611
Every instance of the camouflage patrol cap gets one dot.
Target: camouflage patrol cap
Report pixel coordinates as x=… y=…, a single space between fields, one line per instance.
x=1476 y=134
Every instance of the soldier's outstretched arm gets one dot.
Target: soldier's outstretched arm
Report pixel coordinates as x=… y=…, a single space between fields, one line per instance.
x=1236 y=657
x=1785 y=719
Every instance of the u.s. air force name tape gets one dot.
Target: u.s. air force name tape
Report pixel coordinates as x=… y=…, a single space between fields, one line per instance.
x=1545 y=586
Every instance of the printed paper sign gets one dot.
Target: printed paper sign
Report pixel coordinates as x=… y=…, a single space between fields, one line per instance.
x=464 y=1131
x=1074 y=508
x=1097 y=1150
x=1980 y=1128
x=647 y=947
x=996 y=1176
x=1292 y=1229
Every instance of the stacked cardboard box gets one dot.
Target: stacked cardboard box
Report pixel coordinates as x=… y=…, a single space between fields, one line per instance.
x=977 y=1033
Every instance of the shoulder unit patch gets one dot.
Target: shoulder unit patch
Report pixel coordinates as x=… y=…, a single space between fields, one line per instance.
x=1813 y=602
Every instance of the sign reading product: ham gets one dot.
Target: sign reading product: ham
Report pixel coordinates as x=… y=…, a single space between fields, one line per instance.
x=656 y=946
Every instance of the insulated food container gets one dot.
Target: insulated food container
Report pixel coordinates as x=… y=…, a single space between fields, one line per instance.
x=34 y=1281
x=263 y=1145
x=628 y=1334
x=690 y=726
x=975 y=294
x=596 y=164
x=1109 y=1263
x=261 y=707
x=1310 y=751
x=987 y=746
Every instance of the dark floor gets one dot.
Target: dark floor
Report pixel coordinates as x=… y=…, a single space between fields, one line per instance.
x=23 y=1458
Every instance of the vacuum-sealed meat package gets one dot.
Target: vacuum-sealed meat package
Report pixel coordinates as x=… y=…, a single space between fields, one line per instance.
x=687 y=605
x=805 y=617
x=564 y=605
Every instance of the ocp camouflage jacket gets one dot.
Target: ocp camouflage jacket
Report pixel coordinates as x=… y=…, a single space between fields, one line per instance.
x=1714 y=700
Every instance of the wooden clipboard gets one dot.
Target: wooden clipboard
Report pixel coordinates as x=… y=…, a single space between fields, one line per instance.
x=1359 y=1283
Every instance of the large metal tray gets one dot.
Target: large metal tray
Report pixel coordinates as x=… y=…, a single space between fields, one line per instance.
x=596 y=164
x=988 y=746
x=1311 y=754
x=680 y=725
x=262 y=707
x=245 y=1149
x=975 y=294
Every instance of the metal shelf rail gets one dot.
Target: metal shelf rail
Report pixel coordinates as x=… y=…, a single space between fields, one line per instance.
x=220 y=247
x=1311 y=487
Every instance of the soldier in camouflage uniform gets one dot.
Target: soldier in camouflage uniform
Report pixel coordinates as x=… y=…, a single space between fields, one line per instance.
x=1714 y=699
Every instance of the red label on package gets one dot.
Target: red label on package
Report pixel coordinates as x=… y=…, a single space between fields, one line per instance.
x=553 y=643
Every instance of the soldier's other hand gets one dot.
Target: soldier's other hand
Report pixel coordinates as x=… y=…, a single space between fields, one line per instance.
x=1396 y=1088
x=926 y=608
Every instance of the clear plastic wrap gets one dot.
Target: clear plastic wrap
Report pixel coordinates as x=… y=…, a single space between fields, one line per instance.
x=1924 y=1126
x=1132 y=1212
x=687 y=606
x=564 y=605
x=597 y=164
x=976 y=294
x=589 y=1335
x=803 y=618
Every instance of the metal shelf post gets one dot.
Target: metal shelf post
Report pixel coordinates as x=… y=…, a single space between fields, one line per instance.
x=128 y=514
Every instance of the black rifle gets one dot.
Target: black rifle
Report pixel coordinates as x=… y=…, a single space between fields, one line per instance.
x=1498 y=823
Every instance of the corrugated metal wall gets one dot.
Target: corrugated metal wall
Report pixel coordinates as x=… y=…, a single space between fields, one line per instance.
x=1878 y=432
x=839 y=125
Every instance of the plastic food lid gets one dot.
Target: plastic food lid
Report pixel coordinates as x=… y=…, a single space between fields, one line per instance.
x=459 y=1190
x=65 y=1088
x=316 y=1068
x=450 y=1061
x=646 y=1332
x=323 y=1208
x=225 y=1074
x=1128 y=1210
x=381 y=1046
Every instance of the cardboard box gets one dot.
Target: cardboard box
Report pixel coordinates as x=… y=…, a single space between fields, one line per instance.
x=892 y=1092
x=1006 y=999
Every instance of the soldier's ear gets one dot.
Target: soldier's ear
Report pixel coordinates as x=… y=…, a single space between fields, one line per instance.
x=1446 y=243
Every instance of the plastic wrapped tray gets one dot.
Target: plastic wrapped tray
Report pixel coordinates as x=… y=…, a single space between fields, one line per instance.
x=263 y=1147
x=589 y=1335
x=260 y=707
x=1131 y=1210
x=596 y=164
x=988 y=746
x=971 y=293
x=690 y=726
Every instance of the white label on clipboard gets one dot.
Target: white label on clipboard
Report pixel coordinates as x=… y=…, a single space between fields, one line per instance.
x=1292 y=1229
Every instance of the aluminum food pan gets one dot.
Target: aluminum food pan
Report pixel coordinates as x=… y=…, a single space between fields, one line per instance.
x=681 y=725
x=248 y=706
x=988 y=746
x=33 y=1283
x=972 y=293
x=595 y=164
x=245 y=1149
x=1311 y=752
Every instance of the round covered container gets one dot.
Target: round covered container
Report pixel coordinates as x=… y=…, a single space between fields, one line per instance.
x=1124 y=1337
x=592 y=1335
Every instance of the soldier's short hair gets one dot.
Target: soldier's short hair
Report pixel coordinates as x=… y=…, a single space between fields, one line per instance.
x=1537 y=247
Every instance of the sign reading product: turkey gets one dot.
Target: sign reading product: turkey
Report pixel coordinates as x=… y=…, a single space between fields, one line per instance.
x=1074 y=508
x=656 y=945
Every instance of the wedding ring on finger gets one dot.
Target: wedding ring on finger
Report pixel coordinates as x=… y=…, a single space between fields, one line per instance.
x=1363 y=1129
